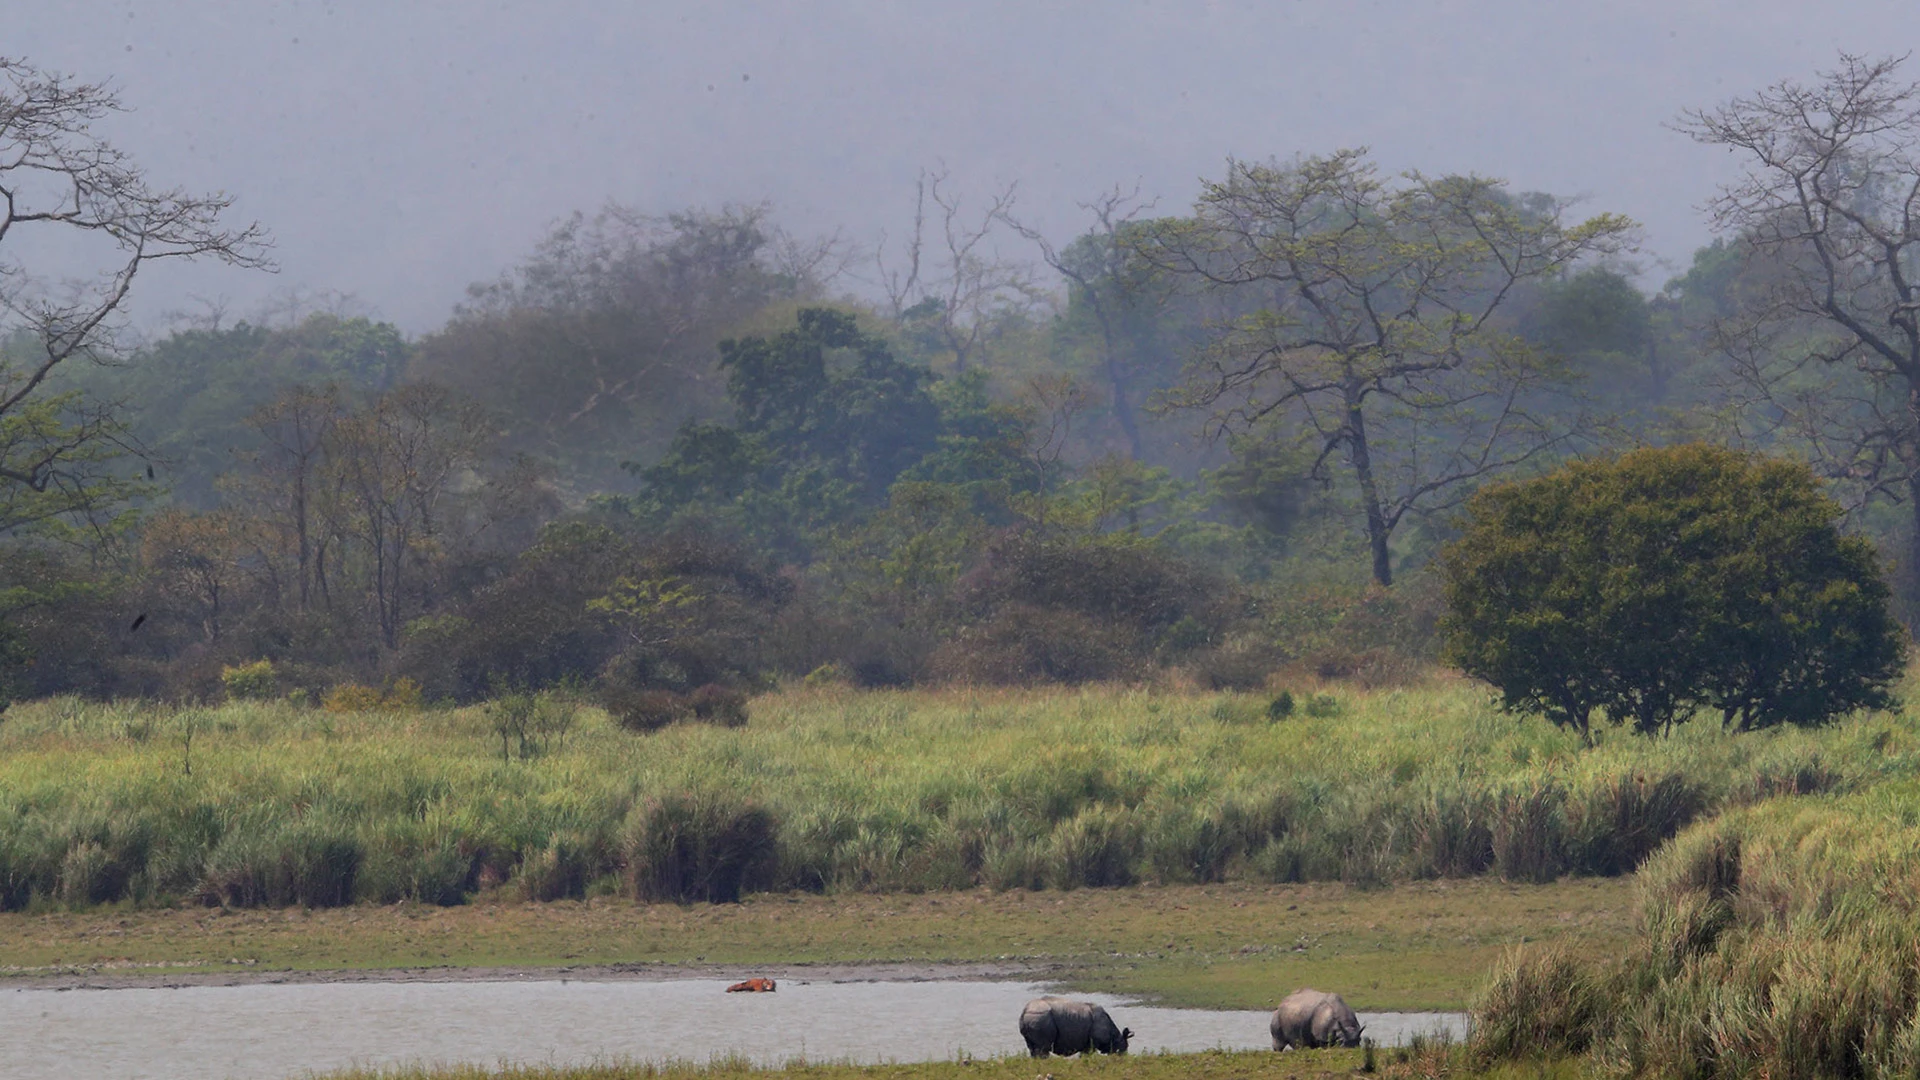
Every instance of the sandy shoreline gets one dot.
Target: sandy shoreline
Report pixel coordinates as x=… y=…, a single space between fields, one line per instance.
x=157 y=979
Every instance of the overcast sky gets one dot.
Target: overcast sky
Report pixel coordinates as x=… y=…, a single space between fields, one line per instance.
x=400 y=149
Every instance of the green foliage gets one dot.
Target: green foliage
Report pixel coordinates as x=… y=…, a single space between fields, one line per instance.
x=861 y=791
x=825 y=420
x=251 y=682
x=191 y=392
x=1372 y=335
x=1669 y=580
x=1777 y=942
x=530 y=723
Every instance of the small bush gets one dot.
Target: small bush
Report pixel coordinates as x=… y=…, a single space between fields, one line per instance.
x=717 y=704
x=561 y=870
x=644 y=710
x=1026 y=644
x=1098 y=847
x=251 y=682
x=403 y=696
x=700 y=847
x=351 y=697
x=828 y=674
x=1323 y=705
x=1240 y=666
x=1541 y=1003
x=1281 y=706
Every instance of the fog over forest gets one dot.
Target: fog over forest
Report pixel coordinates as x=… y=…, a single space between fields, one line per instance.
x=399 y=152
x=670 y=354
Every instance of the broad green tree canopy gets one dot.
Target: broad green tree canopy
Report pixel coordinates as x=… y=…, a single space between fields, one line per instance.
x=1669 y=580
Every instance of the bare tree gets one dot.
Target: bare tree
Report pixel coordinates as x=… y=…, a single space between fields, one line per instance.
x=1827 y=336
x=57 y=175
x=962 y=288
x=396 y=461
x=1101 y=268
x=295 y=430
x=1375 y=333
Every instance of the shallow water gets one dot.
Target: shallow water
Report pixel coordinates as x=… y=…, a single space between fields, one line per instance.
x=267 y=1032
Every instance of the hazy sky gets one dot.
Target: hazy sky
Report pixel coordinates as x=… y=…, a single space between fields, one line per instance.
x=400 y=149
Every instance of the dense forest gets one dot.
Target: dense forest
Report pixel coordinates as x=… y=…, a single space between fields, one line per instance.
x=669 y=460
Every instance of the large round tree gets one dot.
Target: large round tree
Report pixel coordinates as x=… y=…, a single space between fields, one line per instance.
x=1665 y=581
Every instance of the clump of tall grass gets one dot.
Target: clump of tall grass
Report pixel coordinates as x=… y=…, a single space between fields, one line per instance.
x=831 y=789
x=700 y=846
x=1780 y=941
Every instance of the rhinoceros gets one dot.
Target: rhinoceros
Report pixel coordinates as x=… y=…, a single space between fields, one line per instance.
x=1054 y=1025
x=1311 y=1019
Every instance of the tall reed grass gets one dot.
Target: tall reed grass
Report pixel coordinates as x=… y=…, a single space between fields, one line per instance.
x=1782 y=940
x=844 y=790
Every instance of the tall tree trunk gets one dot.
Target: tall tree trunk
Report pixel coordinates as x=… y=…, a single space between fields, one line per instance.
x=1122 y=408
x=306 y=541
x=1369 y=491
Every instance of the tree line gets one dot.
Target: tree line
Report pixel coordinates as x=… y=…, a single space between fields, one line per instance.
x=667 y=454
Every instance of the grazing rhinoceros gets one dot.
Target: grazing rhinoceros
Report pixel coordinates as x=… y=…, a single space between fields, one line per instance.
x=1054 y=1025
x=1311 y=1019
x=752 y=986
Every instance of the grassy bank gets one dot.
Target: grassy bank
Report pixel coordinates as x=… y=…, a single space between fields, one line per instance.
x=268 y=805
x=1778 y=940
x=1417 y=946
x=1423 y=1064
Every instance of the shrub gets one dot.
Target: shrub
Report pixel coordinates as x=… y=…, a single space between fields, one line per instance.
x=643 y=710
x=1235 y=666
x=717 y=704
x=251 y=682
x=1281 y=706
x=402 y=696
x=831 y=673
x=1323 y=705
x=528 y=723
x=561 y=870
x=1026 y=644
x=351 y=697
x=1097 y=847
x=700 y=847
x=1541 y=1003
x=1668 y=580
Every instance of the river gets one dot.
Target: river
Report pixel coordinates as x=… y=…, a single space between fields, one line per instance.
x=275 y=1031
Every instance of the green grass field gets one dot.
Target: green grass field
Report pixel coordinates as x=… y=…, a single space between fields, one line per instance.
x=959 y=825
x=269 y=805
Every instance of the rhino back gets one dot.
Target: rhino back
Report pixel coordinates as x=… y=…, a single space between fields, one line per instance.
x=1036 y=1026
x=1071 y=1022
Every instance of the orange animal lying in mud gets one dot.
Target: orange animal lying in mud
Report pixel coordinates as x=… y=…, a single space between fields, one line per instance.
x=751 y=986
